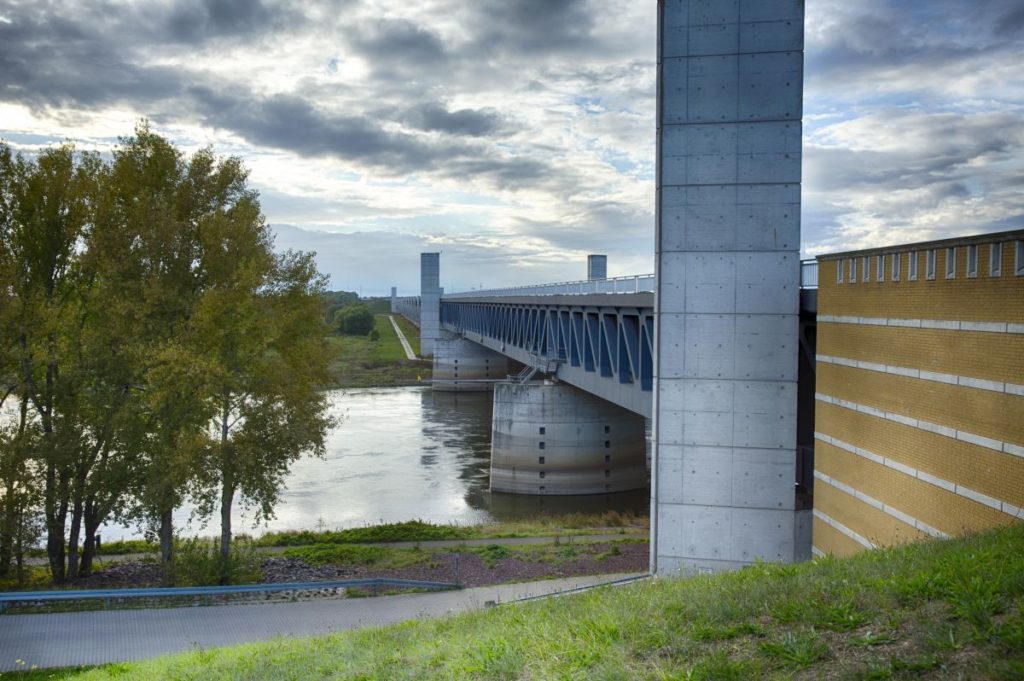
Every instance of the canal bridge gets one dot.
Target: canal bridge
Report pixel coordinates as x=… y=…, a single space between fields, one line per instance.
x=717 y=348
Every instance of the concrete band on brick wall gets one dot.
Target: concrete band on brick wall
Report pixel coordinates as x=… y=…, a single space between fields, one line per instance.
x=730 y=88
x=937 y=377
x=939 y=324
x=903 y=469
x=939 y=429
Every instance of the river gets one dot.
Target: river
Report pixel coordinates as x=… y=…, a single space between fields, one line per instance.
x=400 y=454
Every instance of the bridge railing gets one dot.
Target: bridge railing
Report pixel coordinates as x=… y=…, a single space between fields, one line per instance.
x=640 y=283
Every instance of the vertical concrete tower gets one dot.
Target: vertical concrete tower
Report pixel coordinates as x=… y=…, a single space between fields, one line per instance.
x=394 y=299
x=730 y=84
x=430 y=302
x=597 y=267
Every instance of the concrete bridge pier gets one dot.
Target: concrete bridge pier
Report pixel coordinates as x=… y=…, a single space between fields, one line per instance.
x=430 y=302
x=463 y=366
x=550 y=438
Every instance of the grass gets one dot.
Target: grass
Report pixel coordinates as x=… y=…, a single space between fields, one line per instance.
x=936 y=609
x=574 y=524
x=376 y=556
x=362 y=363
x=550 y=553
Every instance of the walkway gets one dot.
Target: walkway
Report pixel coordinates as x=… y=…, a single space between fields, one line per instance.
x=409 y=354
x=101 y=637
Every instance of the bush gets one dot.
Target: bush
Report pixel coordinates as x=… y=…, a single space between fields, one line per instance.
x=197 y=562
x=374 y=335
x=354 y=319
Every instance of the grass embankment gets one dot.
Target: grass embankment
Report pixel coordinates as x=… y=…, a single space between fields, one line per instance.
x=937 y=609
x=363 y=363
x=572 y=524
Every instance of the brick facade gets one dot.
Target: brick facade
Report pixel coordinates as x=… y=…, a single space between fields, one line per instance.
x=919 y=419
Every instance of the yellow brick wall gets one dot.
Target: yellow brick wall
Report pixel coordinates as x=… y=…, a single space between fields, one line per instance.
x=981 y=412
x=938 y=508
x=991 y=356
x=983 y=298
x=830 y=540
x=877 y=527
x=996 y=474
x=988 y=413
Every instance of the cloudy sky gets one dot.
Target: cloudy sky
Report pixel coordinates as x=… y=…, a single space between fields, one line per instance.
x=516 y=136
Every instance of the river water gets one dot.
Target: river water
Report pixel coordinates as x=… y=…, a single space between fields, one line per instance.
x=400 y=454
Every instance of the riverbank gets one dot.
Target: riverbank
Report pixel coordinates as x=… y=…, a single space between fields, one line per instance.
x=365 y=363
x=933 y=609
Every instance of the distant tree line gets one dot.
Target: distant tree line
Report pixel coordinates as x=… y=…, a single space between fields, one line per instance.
x=153 y=348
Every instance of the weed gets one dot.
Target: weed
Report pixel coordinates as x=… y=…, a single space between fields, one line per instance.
x=796 y=649
x=871 y=639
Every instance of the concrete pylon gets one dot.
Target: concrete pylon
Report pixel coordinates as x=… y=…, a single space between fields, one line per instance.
x=430 y=302
x=394 y=299
x=730 y=88
x=597 y=267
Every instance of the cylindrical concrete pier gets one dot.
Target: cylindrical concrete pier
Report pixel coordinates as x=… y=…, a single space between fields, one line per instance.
x=551 y=438
x=463 y=366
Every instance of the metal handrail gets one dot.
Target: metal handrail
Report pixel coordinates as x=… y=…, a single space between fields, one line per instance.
x=639 y=283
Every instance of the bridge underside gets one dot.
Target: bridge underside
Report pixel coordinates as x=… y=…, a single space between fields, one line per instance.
x=603 y=344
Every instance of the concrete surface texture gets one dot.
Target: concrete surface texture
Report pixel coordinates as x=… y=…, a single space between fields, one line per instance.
x=463 y=366
x=551 y=438
x=430 y=301
x=727 y=301
x=597 y=267
x=101 y=637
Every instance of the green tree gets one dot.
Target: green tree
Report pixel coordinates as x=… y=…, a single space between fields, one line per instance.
x=259 y=322
x=355 y=319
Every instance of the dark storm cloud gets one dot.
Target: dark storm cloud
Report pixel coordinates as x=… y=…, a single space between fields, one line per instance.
x=538 y=26
x=469 y=122
x=196 y=21
x=865 y=43
x=397 y=41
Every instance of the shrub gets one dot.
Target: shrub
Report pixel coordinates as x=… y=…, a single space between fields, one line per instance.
x=354 y=319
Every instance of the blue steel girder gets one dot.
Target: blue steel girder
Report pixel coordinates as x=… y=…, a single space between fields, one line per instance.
x=603 y=344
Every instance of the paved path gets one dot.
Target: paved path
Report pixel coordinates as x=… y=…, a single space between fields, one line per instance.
x=409 y=354
x=100 y=637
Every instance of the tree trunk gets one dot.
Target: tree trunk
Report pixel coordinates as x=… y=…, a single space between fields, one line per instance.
x=227 y=493
x=8 y=528
x=56 y=515
x=92 y=523
x=166 y=546
x=76 y=528
x=226 y=498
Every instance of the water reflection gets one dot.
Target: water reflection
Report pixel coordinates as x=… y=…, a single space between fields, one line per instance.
x=399 y=454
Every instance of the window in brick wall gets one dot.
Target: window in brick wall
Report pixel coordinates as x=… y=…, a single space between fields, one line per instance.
x=950 y=263
x=839 y=271
x=912 y=266
x=995 y=259
x=880 y=268
x=895 y=266
x=972 y=261
x=929 y=264
x=853 y=270
x=1019 y=258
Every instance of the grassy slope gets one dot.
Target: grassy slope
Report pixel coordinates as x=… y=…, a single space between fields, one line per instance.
x=363 y=363
x=412 y=334
x=952 y=609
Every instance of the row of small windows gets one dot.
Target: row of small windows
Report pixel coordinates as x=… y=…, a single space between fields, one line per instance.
x=864 y=264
